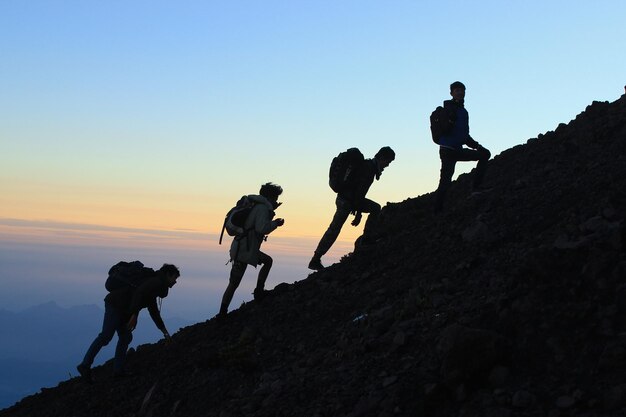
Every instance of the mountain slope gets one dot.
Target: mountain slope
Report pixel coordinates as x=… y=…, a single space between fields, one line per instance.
x=508 y=304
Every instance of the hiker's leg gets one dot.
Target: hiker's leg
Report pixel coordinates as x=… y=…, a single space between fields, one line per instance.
x=373 y=208
x=236 y=274
x=331 y=234
x=481 y=155
x=110 y=322
x=124 y=337
x=481 y=167
x=266 y=261
x=448 y=162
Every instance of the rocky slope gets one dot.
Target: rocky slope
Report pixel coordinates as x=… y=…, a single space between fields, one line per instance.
x=508 y=304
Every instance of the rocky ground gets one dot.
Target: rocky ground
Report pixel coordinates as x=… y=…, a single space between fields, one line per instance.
x=510 y=303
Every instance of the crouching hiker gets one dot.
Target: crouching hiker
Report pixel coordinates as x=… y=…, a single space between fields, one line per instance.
x=254 y=223
x=132 y=288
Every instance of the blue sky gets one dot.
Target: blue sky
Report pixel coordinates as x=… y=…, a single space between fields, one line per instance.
x=156 y=115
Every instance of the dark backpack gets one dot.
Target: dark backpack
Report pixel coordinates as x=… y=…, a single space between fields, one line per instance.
x=441 y=122
x=127 y=274
x=341 y=168
x=236 y=217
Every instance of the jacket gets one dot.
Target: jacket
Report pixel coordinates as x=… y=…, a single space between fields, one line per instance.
x=459 y=135
x=129 y=301
x=362 y=180
x=259 y=223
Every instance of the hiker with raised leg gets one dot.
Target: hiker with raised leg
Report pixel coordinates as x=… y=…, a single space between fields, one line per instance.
x=450 y=130
x=132 y=287
x=350 y=177
x=256 y=213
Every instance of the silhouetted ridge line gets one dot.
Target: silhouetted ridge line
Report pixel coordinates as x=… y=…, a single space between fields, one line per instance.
x=509 y=303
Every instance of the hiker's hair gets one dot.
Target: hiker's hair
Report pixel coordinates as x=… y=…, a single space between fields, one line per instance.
x=385 y=153
x=457 y=84
x=271 y=191
x=170 y=269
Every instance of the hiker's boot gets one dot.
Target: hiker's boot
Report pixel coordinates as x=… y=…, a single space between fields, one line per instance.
x=85 y=373
x=259 y=294
x=316 y=264
x=223 y=312
x=365 y=241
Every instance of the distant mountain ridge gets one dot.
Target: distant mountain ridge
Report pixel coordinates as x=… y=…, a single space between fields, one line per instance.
x=43 y=322
x=43 y=344
x=508 y=304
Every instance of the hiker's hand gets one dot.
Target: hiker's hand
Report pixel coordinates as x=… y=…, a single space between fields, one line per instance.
x=279 y=222
x=132 y=323
x=357 y=219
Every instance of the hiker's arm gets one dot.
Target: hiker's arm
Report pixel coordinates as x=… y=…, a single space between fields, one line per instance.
x=264 y=225
x=158 y=320
x=156 y=316
x=358 y=195
x=365 y=180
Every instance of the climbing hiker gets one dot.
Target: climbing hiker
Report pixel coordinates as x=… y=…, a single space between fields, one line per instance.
x=351 y=179
x=245 y=249
x=451 y=143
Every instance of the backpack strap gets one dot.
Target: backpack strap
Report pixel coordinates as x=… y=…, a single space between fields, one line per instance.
x=223 y=228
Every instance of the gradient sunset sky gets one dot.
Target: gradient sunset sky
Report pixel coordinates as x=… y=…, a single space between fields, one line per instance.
x=137 y=124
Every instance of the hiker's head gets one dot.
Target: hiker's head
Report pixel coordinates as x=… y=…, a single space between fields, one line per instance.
x=457 y=91
x=271 y=192
x=171 y=273
x=384 y=157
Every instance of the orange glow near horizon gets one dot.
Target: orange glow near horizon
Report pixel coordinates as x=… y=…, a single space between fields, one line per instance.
x=23 y=232
x=124 y=208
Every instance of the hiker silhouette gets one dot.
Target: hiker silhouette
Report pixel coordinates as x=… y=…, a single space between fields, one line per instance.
x=121 y=310
x=358 y=177
x=246 y=247
x=451 y=148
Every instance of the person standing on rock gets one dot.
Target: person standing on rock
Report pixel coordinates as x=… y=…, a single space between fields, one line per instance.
x=246 y=249
x=352 y=200
x=121 y=310
x=451 y=148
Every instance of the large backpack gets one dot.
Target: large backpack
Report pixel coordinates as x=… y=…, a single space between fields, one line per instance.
x=234 y=222
x=127 y=274
x=341 y=168
x=441 y=122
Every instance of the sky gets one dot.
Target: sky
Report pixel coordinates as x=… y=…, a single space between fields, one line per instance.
x=129 y=128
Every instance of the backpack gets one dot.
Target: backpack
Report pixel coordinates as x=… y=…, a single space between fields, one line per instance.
x=441 y=122
x=127 y=274
x=341 y=168
x=236 y=217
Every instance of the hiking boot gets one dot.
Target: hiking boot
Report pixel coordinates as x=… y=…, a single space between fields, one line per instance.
x=259 y=294
x=85 y=373
x=222 y=314
x=364 y=241
x=316 y=264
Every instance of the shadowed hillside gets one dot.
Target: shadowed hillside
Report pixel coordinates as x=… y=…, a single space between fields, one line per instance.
x=508 y=304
